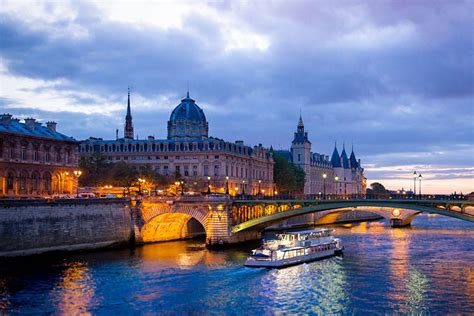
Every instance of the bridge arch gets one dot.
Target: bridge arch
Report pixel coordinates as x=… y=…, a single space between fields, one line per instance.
x=162 y=222
x=265 y=221
x=404 y=215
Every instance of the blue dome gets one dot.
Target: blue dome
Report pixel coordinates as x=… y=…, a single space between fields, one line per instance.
x=188 y=110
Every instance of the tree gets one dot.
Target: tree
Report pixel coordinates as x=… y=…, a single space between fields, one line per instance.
x=95 y=169
x=377 y=189
x=288 y=177
x=124 y=175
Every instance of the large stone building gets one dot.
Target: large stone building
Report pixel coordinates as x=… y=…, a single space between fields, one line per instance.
x=35 y=160
x=191 y=154
x=340 y=175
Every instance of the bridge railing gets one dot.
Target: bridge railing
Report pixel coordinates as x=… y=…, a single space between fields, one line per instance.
x=385 y=196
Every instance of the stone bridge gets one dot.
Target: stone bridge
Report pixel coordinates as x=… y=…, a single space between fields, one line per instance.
x=224 y=220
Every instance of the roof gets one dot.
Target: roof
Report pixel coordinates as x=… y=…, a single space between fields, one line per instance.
x=335 y=159
x=345 y=160
x=284 y=153
x=16 y=127
x=188 y=110
x=353 y=160
x=308 y=231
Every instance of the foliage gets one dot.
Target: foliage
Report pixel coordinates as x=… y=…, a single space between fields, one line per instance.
x=96 y=171
x=288 y=177
x=124 y=175
x=377 y=189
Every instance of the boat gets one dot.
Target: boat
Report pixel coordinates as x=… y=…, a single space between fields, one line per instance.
x=291 y=248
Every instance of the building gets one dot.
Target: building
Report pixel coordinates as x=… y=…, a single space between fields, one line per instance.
x=35 y=160
x=189 y=153
x=339 y=175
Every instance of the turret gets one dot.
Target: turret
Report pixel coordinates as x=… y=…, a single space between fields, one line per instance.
x=344 y=159
x=335 y=158
x=353 y=160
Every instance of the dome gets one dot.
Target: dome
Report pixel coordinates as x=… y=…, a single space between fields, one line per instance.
x=187 y=121
x=188 y=110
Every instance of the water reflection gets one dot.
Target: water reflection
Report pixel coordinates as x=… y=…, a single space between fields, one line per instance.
x=75 y=290
x=418 y=270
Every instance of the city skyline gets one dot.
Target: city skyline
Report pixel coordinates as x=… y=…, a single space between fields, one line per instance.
x=393 y=79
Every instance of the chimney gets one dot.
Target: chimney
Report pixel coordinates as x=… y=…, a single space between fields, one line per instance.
x=116 y=134
x=30 y=123
x=151 y=137
x=51 y=126
x=6 y=119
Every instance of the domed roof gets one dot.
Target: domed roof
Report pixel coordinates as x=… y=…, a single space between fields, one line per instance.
x=188 y=110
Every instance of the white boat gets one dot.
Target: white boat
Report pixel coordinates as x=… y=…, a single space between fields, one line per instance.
x=294 y=248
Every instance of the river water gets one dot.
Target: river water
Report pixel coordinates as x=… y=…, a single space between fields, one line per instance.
x=425 y=269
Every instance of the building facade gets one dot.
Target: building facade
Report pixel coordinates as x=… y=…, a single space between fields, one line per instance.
x=189 y=153
x=340 y=175
x=35 y=160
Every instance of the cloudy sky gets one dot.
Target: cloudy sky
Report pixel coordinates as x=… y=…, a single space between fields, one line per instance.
x=395 y=78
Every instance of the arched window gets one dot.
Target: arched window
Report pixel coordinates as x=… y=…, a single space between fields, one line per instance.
x=47 y=181
x=35 y=181
x=23 y=178
x=10 y=181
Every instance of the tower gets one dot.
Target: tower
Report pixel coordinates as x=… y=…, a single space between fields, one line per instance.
x=301 y=153
x=128 y=130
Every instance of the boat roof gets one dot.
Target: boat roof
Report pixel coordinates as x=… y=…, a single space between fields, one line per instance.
x=309 y=231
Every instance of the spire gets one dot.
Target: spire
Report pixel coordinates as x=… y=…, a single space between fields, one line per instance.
x=129 y=112
x=187 y=93
x=128 y=130
x=352 y=159
x=345 y=160
x=335 y=159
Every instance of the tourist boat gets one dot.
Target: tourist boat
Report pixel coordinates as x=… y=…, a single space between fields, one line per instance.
x=294 y=248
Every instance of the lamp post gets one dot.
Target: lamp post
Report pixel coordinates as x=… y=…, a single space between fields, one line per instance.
x=182 y=188
x=414 y=182
x=226 y=185
x=140 y=181
x=336 y=178
x=324 y=185
x=243 y=187
x=77 y=173
x=208 y=185
x=419 y=185
x=259 y=183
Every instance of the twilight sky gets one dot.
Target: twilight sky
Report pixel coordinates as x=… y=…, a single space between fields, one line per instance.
x=396 y=78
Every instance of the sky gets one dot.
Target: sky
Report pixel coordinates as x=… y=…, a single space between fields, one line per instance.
x=395 y=79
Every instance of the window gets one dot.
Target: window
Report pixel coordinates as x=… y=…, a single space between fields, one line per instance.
x=23 y=153
x=195 y=170
x=36 y=155
x=177 y=170
x=206 y=170
x=216 y=170
x=186 y=171
x=46 y=156
x=299 y=157
x=10 y=179
x=12 y=152
x=157 y=170
x=165 y=170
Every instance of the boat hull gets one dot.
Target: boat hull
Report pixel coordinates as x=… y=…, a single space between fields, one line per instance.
x=252 y=263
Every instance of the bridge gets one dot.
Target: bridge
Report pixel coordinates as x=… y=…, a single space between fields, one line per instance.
x=230 y=220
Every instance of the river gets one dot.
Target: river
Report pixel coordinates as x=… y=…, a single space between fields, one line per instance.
x=425 y=269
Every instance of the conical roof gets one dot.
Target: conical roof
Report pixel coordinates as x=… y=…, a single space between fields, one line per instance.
x=335 y=159
x=345 y=160
x=353 y=160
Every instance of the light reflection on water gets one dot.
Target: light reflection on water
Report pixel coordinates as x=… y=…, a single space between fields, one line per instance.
x=424 y=269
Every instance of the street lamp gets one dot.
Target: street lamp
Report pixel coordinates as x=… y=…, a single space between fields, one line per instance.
x=140 y=181
x=243 y=187
x=324 y=185
x=336 y=178
x=414 y=182
x=259 y=183
x=182 y=188
x=419 y=185
x=77 y=173
x=208 y=185
x=226 y=185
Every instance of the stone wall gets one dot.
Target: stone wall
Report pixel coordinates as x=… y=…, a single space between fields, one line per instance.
x=38 y=226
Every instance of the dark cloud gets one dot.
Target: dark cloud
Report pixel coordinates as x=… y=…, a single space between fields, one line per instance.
x=394 y=79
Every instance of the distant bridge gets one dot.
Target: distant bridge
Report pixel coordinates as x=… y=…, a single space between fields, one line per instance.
x=229 y=220
x=260 y=213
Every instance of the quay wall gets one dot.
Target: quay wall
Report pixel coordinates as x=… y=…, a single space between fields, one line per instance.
x=36 y=226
